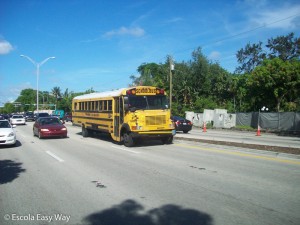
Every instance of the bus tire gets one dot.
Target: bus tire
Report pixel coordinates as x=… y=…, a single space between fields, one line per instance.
x=128 y=140
x=167 y=140
x=85 y=132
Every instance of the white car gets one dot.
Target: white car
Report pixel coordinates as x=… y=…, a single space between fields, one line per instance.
x=17 y=119
x=7 y=133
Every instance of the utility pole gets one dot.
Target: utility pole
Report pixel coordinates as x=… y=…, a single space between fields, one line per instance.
x=171 y=65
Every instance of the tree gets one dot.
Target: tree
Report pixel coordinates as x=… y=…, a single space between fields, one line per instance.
x=274 y=80
x=66 y=102
x=151 y=74
x=56 y=92
x=199 y=69
x=8 y=108
x=28 y=99
x=193 y=80
x=88 y=91
x=283 y=47
x=220 y=81
x=250 y=57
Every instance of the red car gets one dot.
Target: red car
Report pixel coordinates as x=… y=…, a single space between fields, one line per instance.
x=49 y=127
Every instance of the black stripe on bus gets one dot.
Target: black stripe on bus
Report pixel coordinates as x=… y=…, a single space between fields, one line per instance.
x=98 y=125
x=90 y=111
x=92 y=118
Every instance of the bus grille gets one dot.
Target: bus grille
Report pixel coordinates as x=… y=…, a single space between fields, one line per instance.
x=155 y=120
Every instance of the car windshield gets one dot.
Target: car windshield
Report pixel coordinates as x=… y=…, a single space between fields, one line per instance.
x=17 y=117
x=147 y=102
x=178 y=118
x=50 y=121
x=43 y=114
x=4 y=124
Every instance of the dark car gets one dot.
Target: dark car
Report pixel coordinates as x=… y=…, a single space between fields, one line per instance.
x=49 y=127
x=29 y=116
x=68 y=117
x=38 y=115
x=5 y=116
x=182 y=124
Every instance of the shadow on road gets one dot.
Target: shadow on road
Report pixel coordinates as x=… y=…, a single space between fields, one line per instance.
x=138 y=143
x=18 y=144
x=130 y=212
x=9 y=170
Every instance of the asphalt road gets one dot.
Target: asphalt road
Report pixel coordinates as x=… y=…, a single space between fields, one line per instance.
x=95 y=181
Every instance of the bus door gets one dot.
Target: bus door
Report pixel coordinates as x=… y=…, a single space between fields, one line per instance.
x=117 y=116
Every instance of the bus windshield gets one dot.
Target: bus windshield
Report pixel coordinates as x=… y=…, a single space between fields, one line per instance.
x=147 y=102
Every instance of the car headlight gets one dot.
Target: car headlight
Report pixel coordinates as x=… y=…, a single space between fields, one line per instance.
x=64 y=128
x=11 y=134
x=44 y=130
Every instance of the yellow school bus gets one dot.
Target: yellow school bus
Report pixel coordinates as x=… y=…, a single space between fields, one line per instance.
x=127 y=114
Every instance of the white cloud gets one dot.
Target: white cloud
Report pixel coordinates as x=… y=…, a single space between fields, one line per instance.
x=5 y=47
x=282 y=18
x=10 y=94
x=135 y=31
x=214 y=55
x=174 y=20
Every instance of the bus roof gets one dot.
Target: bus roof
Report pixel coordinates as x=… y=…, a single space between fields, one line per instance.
x=100 y=94
x=116 y=93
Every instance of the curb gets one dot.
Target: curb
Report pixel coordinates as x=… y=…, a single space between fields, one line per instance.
x=281 y=151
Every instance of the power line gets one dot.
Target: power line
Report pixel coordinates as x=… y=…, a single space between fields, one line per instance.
x=239 y=34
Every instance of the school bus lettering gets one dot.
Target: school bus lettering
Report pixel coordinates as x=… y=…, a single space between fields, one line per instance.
x=142 y=91
x=127 y=114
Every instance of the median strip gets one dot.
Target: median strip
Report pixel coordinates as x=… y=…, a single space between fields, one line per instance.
x=240 y=154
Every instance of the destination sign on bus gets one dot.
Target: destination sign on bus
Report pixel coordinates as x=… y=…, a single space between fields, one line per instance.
x=145 y=91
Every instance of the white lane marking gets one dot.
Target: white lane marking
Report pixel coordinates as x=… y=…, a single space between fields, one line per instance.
x=54 y=156
x=124 y=149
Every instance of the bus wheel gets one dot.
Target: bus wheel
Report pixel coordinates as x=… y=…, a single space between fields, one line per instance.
x=167 y=140
x=128 y=140
x=85 y=132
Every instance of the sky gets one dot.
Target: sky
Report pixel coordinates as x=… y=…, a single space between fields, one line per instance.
x=99 y=44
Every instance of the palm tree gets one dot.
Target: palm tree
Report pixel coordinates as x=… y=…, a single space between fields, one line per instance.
x=56 y=92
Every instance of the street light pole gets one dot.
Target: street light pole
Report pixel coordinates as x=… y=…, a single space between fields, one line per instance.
x=38 y=65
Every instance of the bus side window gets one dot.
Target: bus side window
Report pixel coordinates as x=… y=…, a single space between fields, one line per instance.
x=109 y=105
x=121 y=111
x=101 y=105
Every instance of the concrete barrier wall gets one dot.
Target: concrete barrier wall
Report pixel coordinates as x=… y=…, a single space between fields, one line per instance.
x=218 y=117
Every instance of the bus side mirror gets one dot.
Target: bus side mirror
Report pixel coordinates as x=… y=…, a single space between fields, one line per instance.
x=126 y=104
